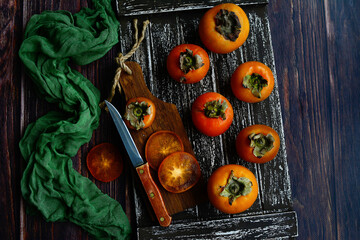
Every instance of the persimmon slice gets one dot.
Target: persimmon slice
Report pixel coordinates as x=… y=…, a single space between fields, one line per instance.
x=160 y=145
x=179 y=172
x=104 y=162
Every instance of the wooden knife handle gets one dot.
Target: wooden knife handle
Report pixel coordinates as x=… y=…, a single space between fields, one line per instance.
x=154 y=195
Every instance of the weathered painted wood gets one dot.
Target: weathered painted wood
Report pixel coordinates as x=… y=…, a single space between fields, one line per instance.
x=267 y=226
x=275 y=184
x=138 y=7
x=181 y=27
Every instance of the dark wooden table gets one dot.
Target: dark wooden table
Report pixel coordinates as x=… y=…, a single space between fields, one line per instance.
x=317 y=55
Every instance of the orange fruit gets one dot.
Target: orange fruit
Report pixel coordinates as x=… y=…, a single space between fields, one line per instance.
x=104 y=162
x=160 y=145
x=179 y=172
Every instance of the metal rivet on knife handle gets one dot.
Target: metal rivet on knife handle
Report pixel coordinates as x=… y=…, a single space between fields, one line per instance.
x=154 y=195
x=141 y=171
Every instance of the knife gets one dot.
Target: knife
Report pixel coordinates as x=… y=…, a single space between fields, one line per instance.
x=142 y=168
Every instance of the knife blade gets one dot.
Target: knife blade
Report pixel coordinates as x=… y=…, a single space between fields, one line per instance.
x=142 y=168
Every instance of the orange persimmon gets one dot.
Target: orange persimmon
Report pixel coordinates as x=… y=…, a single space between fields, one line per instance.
x=224 y=28
x=179 y=172
x=104 y=162
x=212 y=114
x=160 y=145
x=232 y=188
x=140 y=113
x=252 y=82
x=257 y=143
x=188 y=63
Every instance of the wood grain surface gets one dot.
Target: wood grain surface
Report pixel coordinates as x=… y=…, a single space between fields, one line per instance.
x=320 y=100
x=273 y=177
x=316 y=47
x=168 y=118
x=138 y=7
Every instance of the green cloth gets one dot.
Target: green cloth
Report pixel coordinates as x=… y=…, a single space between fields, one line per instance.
x=49 y=184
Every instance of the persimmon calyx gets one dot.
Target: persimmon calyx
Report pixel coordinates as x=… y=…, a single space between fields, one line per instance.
x=261 y=144
x=135 y=113
x=255 y=82
x=189 y=61
x=215 y=109
x=227 y=24
x=236 y=187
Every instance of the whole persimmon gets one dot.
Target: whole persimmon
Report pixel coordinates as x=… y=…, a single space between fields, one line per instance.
x=252 y=82
x=224 y=28
x=188 y=63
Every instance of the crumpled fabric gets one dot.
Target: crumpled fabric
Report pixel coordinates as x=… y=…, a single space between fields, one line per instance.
x=50 y=185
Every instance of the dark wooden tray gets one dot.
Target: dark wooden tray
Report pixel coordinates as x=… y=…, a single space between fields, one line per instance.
x=271 y=216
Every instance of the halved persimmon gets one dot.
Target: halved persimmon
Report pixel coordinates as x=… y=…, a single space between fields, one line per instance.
x=179 y=172
x=104 y=162
x=160 y=145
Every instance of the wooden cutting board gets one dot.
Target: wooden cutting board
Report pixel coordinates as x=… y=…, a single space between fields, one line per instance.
x=167 y=118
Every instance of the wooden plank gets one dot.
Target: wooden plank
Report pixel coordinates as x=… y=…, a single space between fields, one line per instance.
x=139 y=7
x=267 y=226
x=314 y=108
x=9 y=119
x=343 y=44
